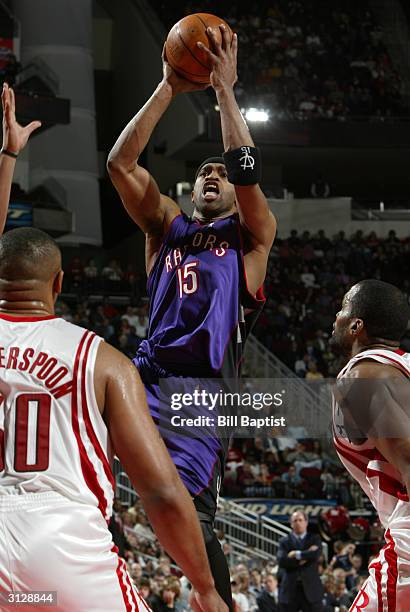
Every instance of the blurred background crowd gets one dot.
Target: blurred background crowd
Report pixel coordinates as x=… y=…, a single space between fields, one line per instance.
x=308 y=59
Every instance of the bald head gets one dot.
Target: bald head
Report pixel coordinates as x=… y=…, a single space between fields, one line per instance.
x=28 y=254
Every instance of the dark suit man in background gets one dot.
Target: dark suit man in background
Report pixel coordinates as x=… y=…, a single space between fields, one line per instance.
x=268 y=600
x=298 y=555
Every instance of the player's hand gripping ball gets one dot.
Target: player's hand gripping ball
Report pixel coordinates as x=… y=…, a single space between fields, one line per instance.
x=182 y=51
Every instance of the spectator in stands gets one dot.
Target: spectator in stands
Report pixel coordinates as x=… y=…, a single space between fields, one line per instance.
x=136 y=572
x=292 y=483
x=245 y=477
x=99 y=321
x=344 y=560
x=343 y=599
x=130 y=316
x=239 y=598
x=328 y=483
x=170 y=594
x=301 y=366
x=301 y=458
x=91 y=270
x=244 y=587
x=256 y=582
x=308 y=278
x=355 y=571
x=141 y=326
x=144 y=587
x=329 y=599
x=75 y=273
x=357 y=587
x=312 y=371
x=268 y=600
x=263 y=482
x=112 y=271
x=91 y=274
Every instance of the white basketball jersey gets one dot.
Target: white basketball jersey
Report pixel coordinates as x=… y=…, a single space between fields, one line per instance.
x=381 y=482
x=52 y=435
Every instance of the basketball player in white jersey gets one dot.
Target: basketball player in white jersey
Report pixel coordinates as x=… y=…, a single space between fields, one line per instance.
x=371 y=429
x=66 y=396
x=15 y=138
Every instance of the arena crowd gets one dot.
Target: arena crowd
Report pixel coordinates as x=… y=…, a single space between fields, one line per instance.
x=308 y=59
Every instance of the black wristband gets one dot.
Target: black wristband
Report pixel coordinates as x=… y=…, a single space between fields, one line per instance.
x=243 y=165
x=9 y=153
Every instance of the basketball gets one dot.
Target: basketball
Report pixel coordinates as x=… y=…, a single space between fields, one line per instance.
x=182 y=51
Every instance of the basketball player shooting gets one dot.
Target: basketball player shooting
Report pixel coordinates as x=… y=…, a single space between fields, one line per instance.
x=15 y=138
x=204 y=273
x=371 y=428
x=68 y=401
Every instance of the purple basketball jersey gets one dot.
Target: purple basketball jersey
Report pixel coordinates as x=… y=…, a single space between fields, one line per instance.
x=198 y=298
x=197 y=329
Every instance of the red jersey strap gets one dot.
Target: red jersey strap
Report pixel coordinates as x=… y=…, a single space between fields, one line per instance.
x=33 y=319
x=393 y=357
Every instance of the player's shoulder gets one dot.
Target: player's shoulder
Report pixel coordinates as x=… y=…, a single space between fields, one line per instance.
x=368 y=368
x=111 y=361
x=71 y=330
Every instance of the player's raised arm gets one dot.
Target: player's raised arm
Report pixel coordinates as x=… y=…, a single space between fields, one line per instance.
x=243 y=165
x=147 y=462
x=152 y=211
x=15 y=138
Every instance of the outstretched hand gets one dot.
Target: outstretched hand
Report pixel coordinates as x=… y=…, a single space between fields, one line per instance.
x=15 y=136
x=222 y=57
x=177 y=82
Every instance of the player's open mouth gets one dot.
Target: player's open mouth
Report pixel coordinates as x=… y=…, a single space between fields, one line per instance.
x=210 y=191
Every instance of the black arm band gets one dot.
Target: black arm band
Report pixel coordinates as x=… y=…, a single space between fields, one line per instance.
x=9 y=153
x=243 y=166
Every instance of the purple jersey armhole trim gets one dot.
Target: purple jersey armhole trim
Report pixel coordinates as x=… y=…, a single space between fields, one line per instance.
x=249 y=301
x=163 y=241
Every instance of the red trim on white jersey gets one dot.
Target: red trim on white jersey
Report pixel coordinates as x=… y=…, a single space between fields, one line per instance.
x=397 y=364
x=33 y=319
x=129 y=592
x=368 y=453
x=370 y=354
x=392 y=572
x=361 y=465
x=389 y=485
x=86 y=416
x=89 y=473
x=378 y=576
x=128 y=605
x=386 y=575
x=134 y=592
x=362 y=599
